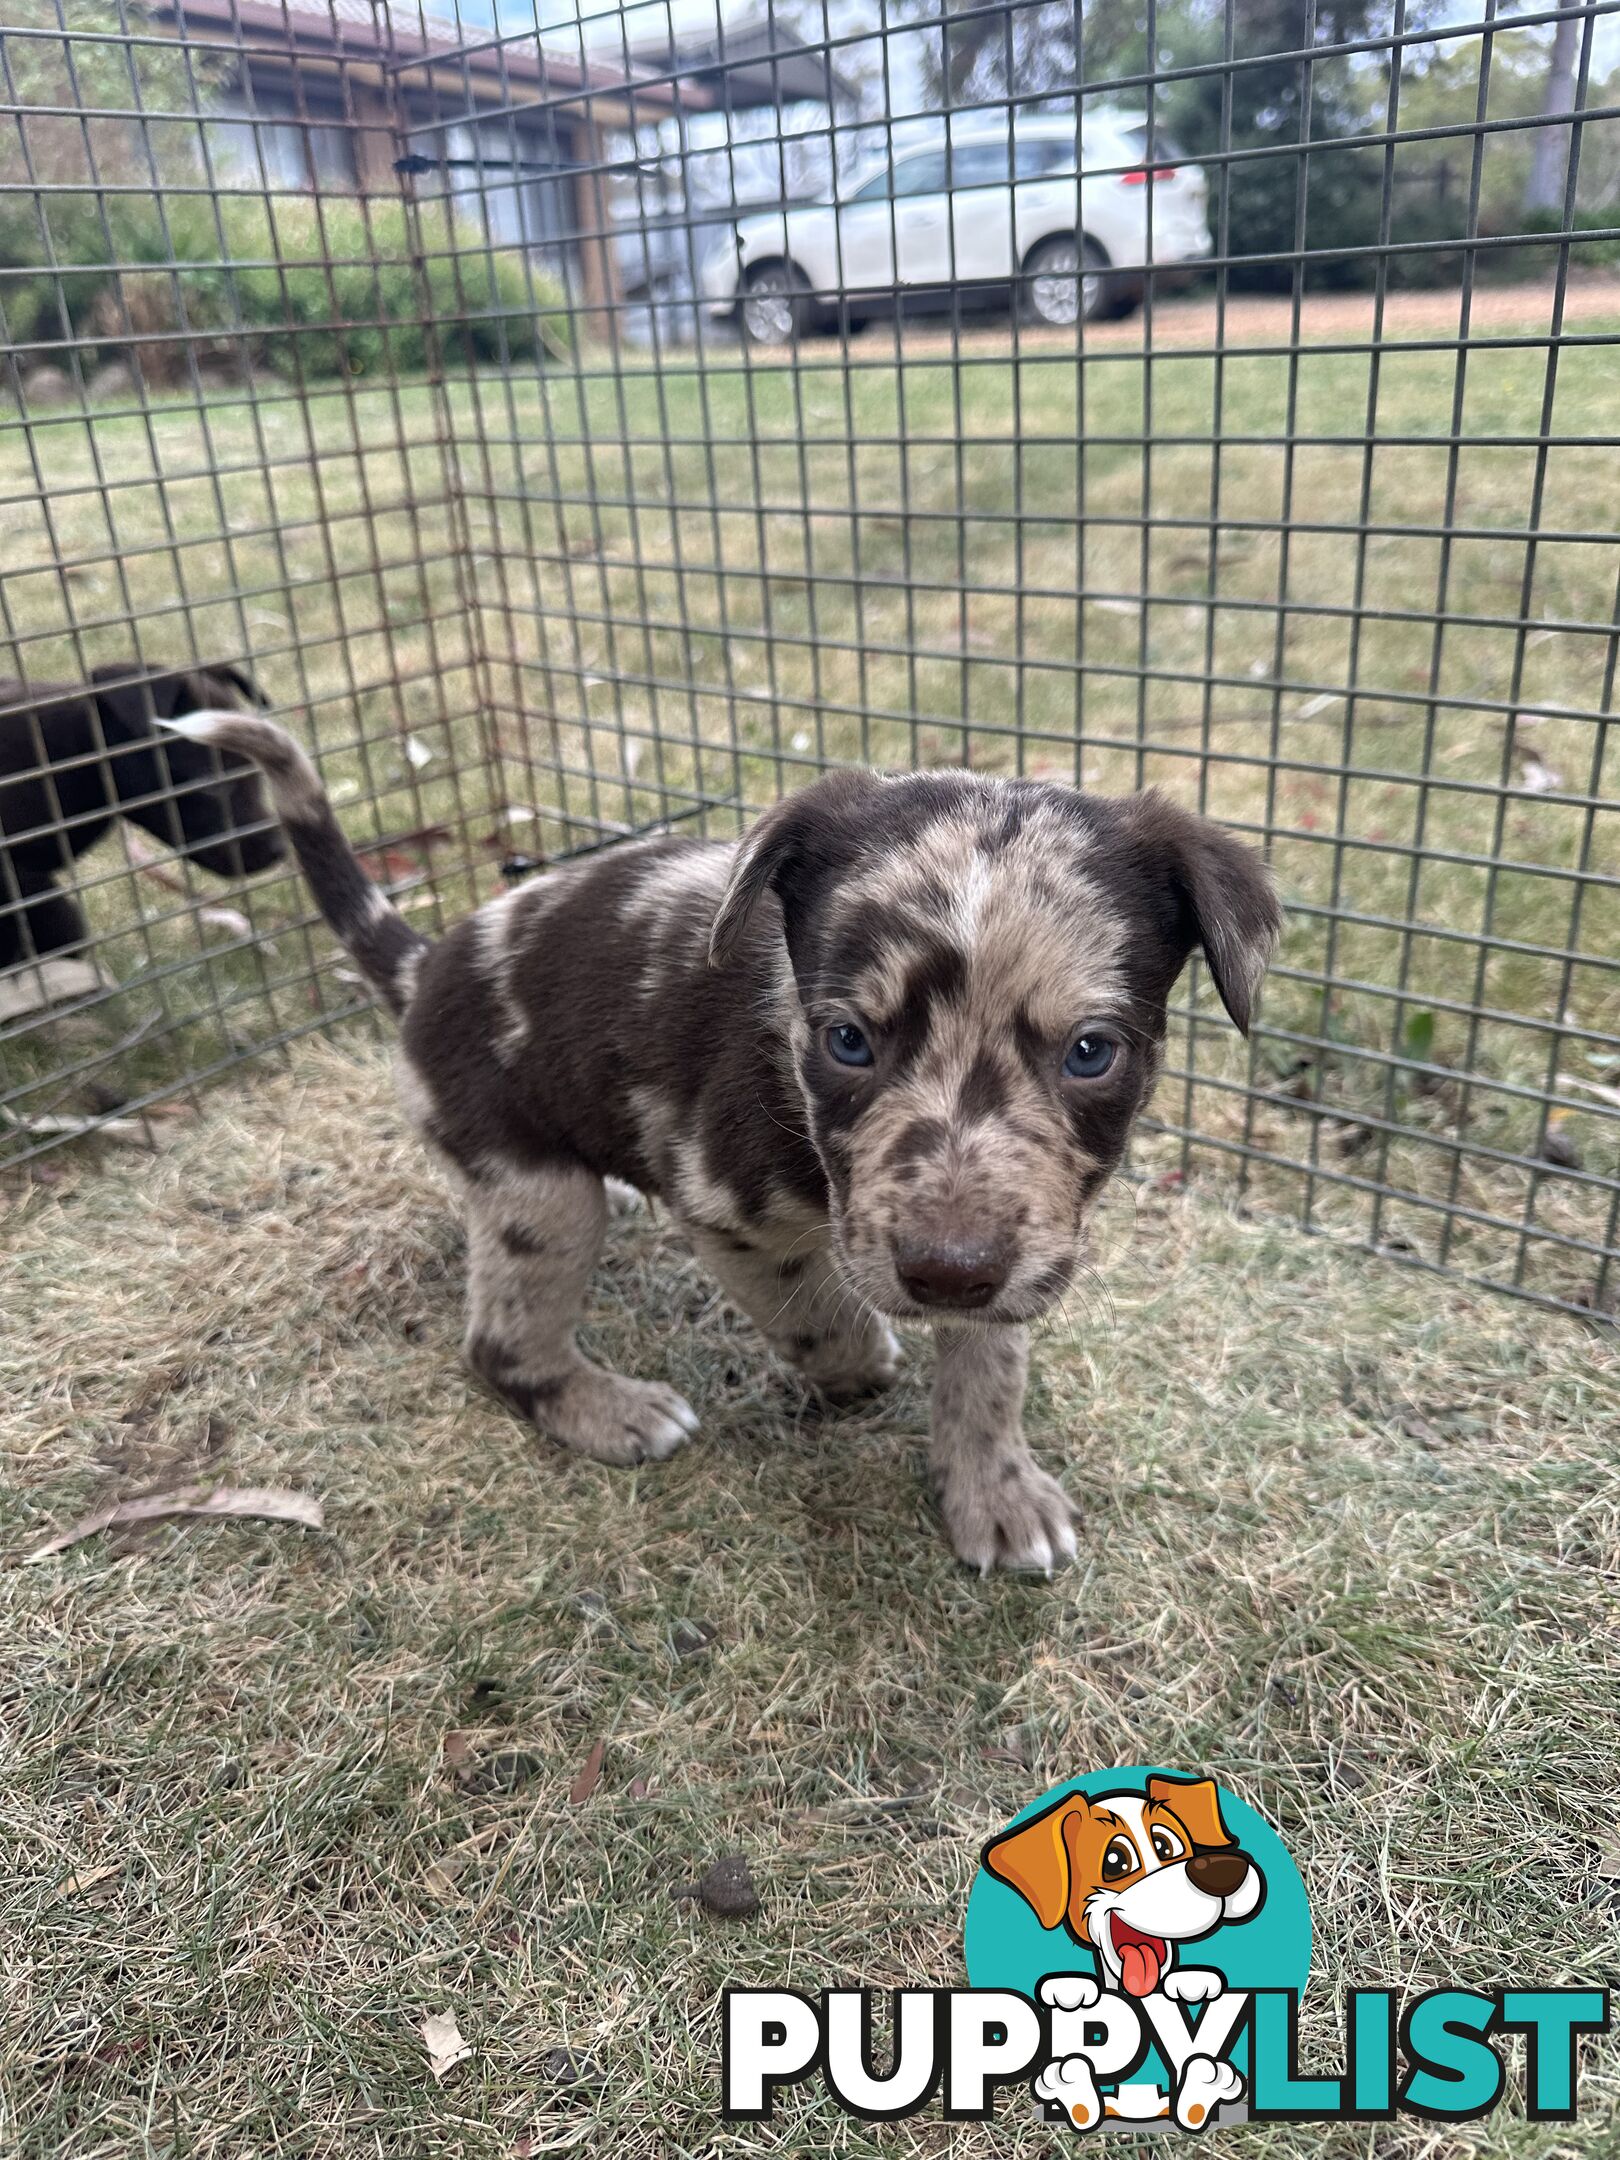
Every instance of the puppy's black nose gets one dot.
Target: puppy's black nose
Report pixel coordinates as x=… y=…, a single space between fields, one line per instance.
x=958 y=1275
x=1220 y=1874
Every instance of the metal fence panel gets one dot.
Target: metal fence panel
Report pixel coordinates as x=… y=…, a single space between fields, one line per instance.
x=1215 y=396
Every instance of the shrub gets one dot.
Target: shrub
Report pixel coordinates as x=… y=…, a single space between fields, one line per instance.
x=314 y=288
x=1542 y=260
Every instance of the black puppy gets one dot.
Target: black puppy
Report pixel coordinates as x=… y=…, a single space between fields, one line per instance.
x=71 y=760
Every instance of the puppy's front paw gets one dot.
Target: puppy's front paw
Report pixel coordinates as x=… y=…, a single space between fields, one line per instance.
x=1008 y=1513
x=595 y=1413
x=1069 y=1991
x=614 y=1420
x=844 y=1368
x=1192 y=1984
x=1203 y=2085
x=1071 y=2084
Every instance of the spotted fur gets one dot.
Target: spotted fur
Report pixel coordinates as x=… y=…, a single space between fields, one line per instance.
x=661 y=1014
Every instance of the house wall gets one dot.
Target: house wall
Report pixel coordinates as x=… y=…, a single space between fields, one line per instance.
x=298 y=125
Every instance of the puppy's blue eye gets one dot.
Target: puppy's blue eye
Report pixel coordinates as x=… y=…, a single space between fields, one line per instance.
x=1089 y=1057
x=846 y=1045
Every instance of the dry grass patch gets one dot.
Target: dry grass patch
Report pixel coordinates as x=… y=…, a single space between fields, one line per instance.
x=272 y=1796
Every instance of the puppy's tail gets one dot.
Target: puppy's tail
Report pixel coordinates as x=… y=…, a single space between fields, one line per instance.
x=371 y=930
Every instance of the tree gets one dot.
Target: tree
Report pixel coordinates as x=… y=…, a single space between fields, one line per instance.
x=106 y=75
x=1024 y=51
x=1549 y=149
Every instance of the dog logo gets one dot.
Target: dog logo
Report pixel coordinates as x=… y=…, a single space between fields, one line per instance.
x=1120 y=1906
x=1138 y=1942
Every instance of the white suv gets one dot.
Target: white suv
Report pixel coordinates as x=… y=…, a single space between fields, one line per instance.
x=976 y=220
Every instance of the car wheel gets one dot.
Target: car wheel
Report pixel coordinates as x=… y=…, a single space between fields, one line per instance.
x=1066 y=281
x=775 y=305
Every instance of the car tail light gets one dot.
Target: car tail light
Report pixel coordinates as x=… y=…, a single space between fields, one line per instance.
x=1145 y=175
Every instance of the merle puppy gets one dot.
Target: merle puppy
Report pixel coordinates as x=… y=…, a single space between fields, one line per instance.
x=72 y=760
x=878 y=1060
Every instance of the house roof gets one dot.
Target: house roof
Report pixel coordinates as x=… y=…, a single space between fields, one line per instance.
x=756 y=64
x=359 y=30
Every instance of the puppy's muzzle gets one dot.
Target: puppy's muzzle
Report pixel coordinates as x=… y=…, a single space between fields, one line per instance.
x=962 y=1277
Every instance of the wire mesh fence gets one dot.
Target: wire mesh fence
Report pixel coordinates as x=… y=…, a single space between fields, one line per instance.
x=585 y=425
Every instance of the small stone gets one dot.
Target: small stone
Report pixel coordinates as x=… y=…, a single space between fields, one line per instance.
x=726 y=1890
x=1560 y=1150
x=690 y=1638
x=504 y=1772
x=114 y=379
x=47 y=386
x=560 y=2066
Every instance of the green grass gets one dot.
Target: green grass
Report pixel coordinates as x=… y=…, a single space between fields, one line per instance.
x=639 y=589
x=1349 y=1541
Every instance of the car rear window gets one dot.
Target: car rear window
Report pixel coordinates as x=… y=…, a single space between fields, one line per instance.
x=1166 y=150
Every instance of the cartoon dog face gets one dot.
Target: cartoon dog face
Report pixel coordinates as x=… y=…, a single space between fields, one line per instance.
x=981 y=971
x=1131 y=1875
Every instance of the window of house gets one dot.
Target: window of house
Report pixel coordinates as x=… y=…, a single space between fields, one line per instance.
x=514 y=185
x=264 y=138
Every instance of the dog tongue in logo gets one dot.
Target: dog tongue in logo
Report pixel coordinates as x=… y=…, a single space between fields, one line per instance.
x=1141 y=1957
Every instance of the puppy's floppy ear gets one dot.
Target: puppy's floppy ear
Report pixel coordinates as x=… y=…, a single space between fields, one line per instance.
x=802 y=835
x=1034 y=1860
x=210 y=686
x=1196 y=1805
x=1228 y=902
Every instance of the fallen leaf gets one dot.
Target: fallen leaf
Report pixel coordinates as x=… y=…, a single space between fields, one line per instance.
x=83 y=1879
x=397 y=862
x=150 y=863
x=36 y=987
x=227 y=918
x=1538 y=778
x=418 y=752
x=344 y=790
x=457 y=1749
x=1593 y=1087
x=590 y=1776
x=69 y=1128
x=441 y=2036
x=269 y=1503
x=631 y=754
x=442 y=1876
x=1312 y=707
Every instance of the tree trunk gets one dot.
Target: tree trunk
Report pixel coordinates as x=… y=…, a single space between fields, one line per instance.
x=1549 y=146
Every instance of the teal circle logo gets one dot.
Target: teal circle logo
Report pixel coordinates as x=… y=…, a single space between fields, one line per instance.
x=1124 y=1896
